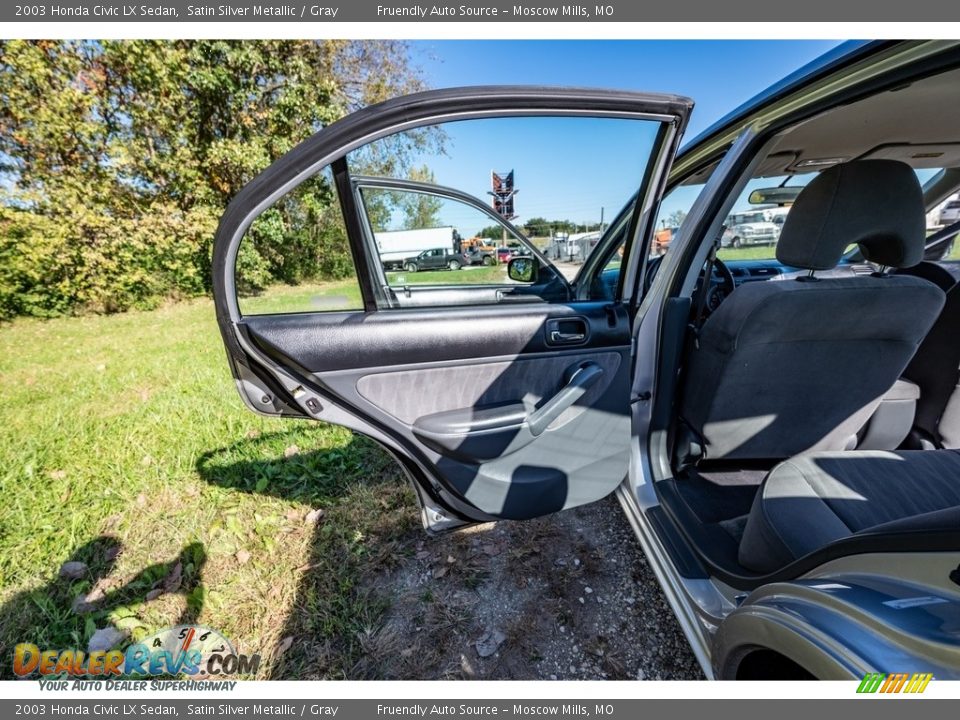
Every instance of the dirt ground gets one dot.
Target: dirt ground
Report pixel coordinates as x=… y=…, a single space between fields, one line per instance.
x=564 y=597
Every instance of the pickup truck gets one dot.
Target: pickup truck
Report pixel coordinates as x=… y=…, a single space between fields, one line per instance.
x=749 y=228
x=436 y=259
x=479 y=256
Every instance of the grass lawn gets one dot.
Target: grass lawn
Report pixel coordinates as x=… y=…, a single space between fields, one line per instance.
x=755 y=252
x=123 y=444
x=345 y=295
x=476 y=275
x=763 y=252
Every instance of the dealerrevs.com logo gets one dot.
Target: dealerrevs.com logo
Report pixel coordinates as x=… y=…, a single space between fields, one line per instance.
x=895 y=682
x=184 y=650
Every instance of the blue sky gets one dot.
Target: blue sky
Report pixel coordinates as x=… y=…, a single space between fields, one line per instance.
x=718 y=75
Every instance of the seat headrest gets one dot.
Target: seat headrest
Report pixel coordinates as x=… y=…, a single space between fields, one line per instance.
x=876 y=204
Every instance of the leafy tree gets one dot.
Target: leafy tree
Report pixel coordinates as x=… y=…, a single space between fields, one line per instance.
x=676 y=218
x=536 y=226
x=492 y=232
x=421 y=210
x=118 y=157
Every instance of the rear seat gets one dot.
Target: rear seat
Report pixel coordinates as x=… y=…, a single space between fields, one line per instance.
x=812 y=500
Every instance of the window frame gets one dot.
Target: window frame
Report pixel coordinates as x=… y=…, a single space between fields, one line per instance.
x=380 y=285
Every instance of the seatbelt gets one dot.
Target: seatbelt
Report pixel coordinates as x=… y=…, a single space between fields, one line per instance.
x=942 y=234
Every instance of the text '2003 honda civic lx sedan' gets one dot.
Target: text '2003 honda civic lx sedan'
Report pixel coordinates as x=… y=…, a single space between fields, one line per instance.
x=780 y=423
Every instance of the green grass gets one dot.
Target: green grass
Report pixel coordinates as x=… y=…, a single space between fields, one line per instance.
x=345 y=294
x=308 y=297
x=477 y=275
x=756 y=252
x=765 y=252
x=126 y=432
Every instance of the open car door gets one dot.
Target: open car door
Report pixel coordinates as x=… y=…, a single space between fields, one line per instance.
x=502 y=390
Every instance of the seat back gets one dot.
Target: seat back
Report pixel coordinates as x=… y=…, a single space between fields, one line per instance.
x=784 y=367
x=935 y=367
x=787 y=367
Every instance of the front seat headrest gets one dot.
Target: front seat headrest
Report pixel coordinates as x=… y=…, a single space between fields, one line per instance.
x=876 y=204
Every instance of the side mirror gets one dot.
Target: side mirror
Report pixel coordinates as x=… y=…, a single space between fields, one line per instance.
x=523 y=269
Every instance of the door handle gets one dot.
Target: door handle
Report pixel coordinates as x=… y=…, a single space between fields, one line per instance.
x=566 y=331
x=560 y=338
x=576 y=387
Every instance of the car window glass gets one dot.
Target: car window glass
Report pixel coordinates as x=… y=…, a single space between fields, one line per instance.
x=947 y=213
x=423 y=238
x=295 y=256
x=556 y=181
x=673 y=211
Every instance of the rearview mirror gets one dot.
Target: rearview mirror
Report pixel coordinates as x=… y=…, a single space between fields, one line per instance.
x=774 y=195
x=523 y=269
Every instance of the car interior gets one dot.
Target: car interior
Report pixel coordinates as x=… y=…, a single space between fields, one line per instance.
x=817 y=405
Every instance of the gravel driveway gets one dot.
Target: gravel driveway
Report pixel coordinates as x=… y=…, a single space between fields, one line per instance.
x=567 y=597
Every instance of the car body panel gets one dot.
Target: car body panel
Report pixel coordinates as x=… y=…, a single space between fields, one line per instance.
x=851 y=617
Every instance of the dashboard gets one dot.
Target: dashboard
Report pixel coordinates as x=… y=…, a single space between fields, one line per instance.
x=740 y=273
x=728 y=275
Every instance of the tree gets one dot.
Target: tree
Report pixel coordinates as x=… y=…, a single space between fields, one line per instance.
x=536 y=226
x=492 y=232
x=118 y=157
x=676 y=218
x=420 y=209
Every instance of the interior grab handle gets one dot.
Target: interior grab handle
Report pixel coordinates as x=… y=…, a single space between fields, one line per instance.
x=583 y=378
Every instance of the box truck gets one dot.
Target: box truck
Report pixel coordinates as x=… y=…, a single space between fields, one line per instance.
x=395 y=246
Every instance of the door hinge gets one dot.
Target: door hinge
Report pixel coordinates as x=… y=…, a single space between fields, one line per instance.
x=642 y=397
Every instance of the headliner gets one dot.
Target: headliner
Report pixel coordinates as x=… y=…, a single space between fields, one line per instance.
x=918 y=123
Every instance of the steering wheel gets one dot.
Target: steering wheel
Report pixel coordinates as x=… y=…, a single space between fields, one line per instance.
x=721 y=285
x=653 y=267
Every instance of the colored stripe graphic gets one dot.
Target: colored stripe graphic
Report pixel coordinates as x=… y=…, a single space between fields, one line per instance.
x=871 y=682
x=894 y=683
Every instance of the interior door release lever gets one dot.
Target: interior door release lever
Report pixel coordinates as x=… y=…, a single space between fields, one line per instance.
x=582 y=379
x=561 y=337
x=566 y=331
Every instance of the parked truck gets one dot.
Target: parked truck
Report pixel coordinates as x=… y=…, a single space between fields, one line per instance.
x=395 y=246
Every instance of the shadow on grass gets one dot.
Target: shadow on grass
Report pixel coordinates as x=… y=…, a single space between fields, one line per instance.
x=259 y=465
x=367 y=517
x=66 y=611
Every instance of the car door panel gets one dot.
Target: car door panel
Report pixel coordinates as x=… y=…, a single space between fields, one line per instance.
x=466 y=365
x=412 y=394
x=324 y=342
x=471 y=420
x=511 y=408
